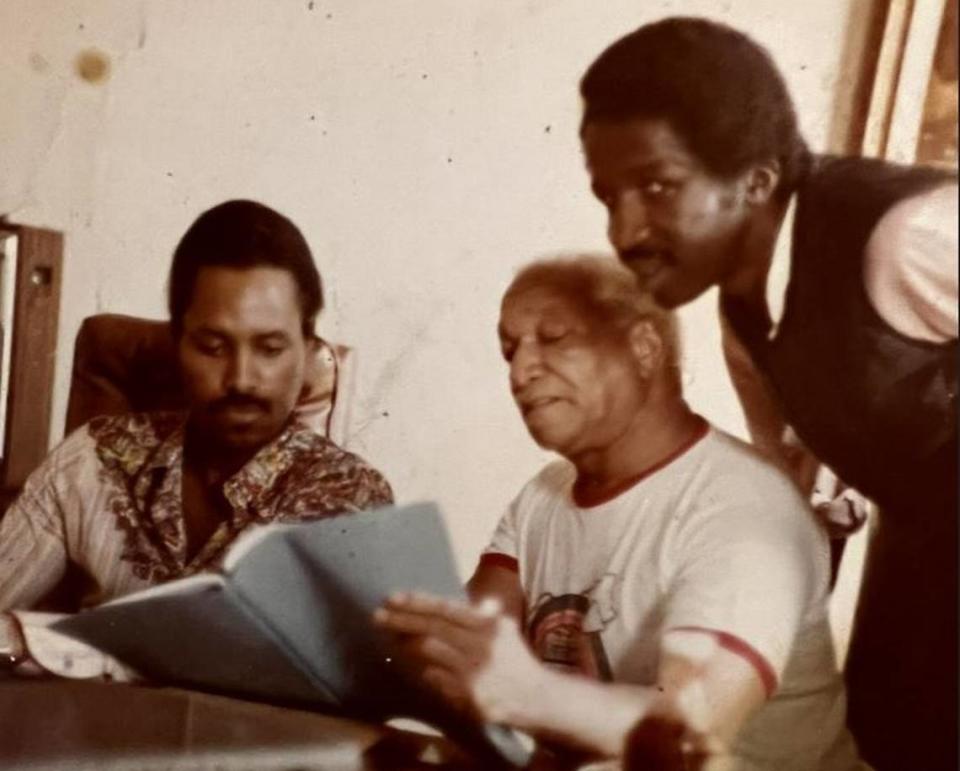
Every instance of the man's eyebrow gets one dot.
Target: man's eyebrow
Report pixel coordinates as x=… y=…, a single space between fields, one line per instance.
x=651 y=166
x=207 y=330
x=640 y=168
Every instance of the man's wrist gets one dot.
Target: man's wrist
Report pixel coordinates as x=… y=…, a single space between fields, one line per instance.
x=534 y=710
x=591 y=715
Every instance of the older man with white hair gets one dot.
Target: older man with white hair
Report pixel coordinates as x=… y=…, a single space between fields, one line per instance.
x=663 y=588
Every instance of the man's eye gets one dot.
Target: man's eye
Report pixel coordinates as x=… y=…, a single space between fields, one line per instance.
x=658 y=188
x=208 y=348
x=654 y=187
x=553 y=335
x=507 y=352
x=272 y=350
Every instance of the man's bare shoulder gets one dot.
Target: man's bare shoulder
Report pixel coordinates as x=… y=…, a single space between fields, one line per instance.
x=910 y=265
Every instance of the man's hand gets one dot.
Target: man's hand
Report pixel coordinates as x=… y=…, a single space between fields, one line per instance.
x=842 y=515
x=473 y=655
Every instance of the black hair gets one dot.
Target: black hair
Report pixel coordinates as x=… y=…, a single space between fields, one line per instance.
x=716 y=88
x=243 y=234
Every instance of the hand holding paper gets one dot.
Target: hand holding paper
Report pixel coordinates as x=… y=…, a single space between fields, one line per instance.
x=472 y=654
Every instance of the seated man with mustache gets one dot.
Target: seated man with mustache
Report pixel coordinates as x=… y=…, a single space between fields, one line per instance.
x=141 y=499
x=667 y=580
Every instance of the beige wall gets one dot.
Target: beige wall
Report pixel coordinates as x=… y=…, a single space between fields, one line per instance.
x=426 y=147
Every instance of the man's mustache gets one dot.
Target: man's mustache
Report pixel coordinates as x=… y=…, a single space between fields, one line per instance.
x=241 y=401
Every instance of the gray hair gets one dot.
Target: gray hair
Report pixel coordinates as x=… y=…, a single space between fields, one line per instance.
x=606 y=292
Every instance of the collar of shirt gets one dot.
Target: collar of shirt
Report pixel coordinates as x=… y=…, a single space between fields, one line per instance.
x=778 y=276
x=247 y=489
x=148 y=451
x=244 y=490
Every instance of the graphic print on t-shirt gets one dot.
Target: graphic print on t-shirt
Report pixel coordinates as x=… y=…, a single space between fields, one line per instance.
x=565 y=630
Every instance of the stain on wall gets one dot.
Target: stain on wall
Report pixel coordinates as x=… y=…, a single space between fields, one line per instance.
x=92 y=66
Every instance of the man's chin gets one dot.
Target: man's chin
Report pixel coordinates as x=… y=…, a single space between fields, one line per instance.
x=233 y=438
x=658 y=286
x=671 y=297
x=548 y=440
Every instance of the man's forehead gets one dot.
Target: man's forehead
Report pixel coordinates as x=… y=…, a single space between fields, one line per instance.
x=261 y=298
x=253 y=275
x=637 y=142
x=541 y=302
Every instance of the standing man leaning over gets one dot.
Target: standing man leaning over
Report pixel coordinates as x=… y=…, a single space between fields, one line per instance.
x=838 y=297
x=136 y=500
x=664 y=575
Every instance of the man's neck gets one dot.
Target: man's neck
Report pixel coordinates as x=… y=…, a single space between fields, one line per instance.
x=212 y=463
x=747 y=285
x=653 y=437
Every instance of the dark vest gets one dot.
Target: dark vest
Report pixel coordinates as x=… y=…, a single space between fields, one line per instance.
x=877 y=407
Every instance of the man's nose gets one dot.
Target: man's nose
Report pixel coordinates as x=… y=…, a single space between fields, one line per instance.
x=241 y=374
x=525 y=366
x=629 y=225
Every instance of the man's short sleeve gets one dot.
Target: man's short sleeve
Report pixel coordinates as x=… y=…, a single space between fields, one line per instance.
x=503 y=549
x=751 y=565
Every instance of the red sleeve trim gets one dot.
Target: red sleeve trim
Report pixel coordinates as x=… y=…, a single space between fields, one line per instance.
x=497 y=560
x=743 y=649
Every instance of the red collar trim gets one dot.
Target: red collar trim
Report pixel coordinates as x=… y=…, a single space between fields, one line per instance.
x=589 y=502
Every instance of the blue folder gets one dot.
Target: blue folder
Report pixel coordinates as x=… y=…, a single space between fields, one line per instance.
x=288 y=619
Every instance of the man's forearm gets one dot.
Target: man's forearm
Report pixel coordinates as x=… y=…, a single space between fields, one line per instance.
x=709 y=700
x=763 y=415
x=572 y=709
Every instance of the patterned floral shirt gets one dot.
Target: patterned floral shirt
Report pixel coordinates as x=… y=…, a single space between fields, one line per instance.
x=109 y=500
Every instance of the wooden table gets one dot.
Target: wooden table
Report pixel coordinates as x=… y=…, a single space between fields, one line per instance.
x=61 y=724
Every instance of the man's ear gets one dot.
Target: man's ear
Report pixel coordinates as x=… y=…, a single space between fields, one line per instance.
x=646 y=345
x=311 y=366
x=761 y=181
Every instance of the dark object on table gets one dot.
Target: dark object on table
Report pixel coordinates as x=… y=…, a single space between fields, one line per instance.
x=657 y=744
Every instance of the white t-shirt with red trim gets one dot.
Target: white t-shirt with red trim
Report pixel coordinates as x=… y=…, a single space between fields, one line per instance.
x=715 y=540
